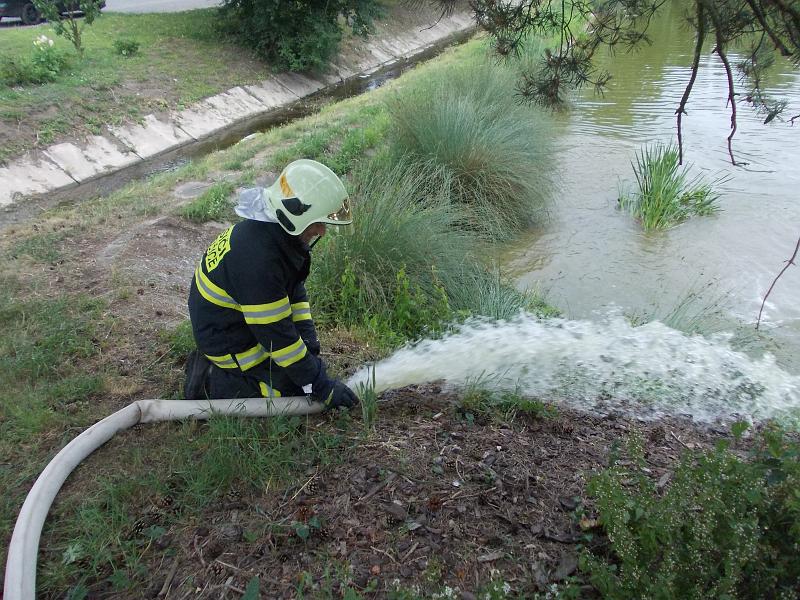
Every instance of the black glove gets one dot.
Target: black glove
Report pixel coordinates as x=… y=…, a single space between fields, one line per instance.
x=332 y=392
x=313 y=347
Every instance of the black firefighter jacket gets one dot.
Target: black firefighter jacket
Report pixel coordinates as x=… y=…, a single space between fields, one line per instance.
x=248 y=301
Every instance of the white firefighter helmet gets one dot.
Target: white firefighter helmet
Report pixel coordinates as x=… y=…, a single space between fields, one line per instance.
x=309 y=192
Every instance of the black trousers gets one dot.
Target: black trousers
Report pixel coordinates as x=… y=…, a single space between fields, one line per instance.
x=205 y=380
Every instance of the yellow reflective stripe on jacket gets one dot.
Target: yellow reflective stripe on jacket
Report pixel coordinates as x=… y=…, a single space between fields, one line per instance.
x=301 y=311
x=223 y=362
x=252 y=357
x=263 y=314
x=212 y=292
x=268 y=392
x=290 y=354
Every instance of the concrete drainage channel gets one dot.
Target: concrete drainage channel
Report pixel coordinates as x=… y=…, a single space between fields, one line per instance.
x=66 y=172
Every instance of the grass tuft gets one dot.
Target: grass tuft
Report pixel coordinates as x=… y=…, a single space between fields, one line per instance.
x=212 y=205
x=466 y=127
x=666 y=195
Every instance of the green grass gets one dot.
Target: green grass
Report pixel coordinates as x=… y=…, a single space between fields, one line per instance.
x=340 y=145
x=97 y=538
x=479 y=399
x=665 y=194
x=181 y=59
x=44 y=354
x=212 y=205
x=59 y=363
x=467 y=127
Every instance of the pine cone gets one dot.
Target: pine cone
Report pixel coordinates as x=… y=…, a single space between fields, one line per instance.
x=234 y=495
x=312 y=487
x=165 y=501
x=216 y=570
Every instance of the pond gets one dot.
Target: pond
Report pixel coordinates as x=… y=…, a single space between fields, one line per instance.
x=589 y=257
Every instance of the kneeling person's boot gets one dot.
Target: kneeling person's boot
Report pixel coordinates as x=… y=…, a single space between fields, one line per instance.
x=197 y=370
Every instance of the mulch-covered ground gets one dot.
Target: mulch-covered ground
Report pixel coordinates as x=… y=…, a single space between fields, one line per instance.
x=431 y=500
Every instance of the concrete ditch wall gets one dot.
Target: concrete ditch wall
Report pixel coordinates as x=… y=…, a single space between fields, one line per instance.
x=66 y=165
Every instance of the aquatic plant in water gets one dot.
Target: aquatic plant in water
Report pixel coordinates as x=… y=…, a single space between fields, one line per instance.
x=666 y=194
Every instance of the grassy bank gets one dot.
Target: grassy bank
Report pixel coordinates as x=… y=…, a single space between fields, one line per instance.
x=181 y=59
x=95 y=317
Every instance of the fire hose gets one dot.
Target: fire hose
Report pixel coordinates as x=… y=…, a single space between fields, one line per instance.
x=20 y=579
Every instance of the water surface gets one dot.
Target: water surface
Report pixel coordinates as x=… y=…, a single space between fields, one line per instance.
x=589 y=255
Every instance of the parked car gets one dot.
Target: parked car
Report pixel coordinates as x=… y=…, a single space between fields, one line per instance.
x=27 y=11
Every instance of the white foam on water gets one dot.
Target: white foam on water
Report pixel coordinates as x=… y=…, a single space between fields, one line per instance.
x=600 y=366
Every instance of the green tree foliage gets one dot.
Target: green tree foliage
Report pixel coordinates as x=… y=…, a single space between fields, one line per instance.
x=297 y=35
x=76 y=15
x=762 y=28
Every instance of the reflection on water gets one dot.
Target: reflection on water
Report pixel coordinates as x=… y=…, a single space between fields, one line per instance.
x=590 y=255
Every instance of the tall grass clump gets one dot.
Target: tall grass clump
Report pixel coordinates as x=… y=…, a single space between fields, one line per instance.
x=666 y=195
x=467 y=127
x=405 y=247
x=407 y=268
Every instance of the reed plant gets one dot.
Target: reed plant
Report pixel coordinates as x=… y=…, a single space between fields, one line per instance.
x=666 y=194
x=466 y=128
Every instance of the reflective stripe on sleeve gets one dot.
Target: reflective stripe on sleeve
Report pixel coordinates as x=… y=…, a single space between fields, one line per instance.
x=301 y=311
x=252 y=357
x=263 y=314
x=225 y=361
x=290 y=354
x=212 y=292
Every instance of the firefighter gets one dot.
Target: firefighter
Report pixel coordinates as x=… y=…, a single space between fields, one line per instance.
x=250 y=314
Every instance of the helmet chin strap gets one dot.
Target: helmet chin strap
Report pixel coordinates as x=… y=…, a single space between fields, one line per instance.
x=316 y=239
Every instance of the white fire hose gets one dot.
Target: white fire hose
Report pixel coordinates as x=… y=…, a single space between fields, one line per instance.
x=20 y=581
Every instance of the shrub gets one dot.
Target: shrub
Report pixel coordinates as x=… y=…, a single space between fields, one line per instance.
x=42 y=66
x=212 y=205
x=725 y=527
x=665 y=194
x=466 y=127
x=126 y=48
x=297 y=35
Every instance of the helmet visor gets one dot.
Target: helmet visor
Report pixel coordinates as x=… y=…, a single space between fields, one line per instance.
x=343 y=216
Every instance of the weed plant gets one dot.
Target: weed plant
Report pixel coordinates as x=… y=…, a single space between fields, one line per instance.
x=466 y=128
x=666 y=195
x=724 y=528
x=212 y=205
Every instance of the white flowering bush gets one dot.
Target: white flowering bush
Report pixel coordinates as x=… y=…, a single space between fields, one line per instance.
x=47 y=60
x=44 y=64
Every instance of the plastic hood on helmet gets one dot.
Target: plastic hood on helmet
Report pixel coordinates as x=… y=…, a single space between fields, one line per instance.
x=254 y=204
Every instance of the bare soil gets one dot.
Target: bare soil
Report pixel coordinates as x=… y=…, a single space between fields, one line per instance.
x=431 y=500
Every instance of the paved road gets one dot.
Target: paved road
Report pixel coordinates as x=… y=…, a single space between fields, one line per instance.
x=145 y=6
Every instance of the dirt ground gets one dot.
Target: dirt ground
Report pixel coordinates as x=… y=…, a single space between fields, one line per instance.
x=433 y=500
